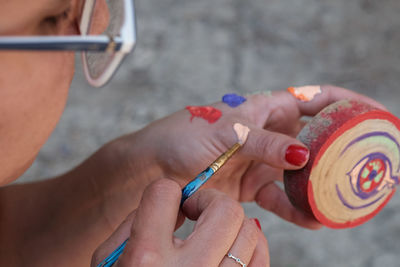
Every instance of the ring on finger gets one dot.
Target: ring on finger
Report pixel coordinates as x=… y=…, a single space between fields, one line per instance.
x=239 y=261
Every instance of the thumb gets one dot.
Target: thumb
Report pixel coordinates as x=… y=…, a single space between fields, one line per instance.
x=275 y=149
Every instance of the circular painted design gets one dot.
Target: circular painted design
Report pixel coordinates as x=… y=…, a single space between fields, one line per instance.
x=355 y=172
x=371 y=175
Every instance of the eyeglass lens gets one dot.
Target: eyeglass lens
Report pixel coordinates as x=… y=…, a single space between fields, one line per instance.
x=106 y=19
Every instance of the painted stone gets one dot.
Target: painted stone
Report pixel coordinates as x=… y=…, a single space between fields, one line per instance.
x=354 y=164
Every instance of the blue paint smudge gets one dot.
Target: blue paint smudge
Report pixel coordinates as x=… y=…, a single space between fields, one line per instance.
x=233 y=100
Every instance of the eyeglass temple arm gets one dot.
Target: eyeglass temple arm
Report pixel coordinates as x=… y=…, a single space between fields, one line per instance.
x=73 y=43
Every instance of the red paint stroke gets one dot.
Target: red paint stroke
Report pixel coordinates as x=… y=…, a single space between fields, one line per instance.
x=369 y=168
x=208 y=113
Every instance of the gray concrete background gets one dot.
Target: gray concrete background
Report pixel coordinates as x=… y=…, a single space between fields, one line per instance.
x=194 y=51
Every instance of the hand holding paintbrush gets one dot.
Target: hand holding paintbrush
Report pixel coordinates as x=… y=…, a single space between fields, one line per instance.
x=241 y=134
x=222 y=235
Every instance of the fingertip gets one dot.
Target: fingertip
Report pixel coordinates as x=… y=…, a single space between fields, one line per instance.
x=309 y=222
x=162 y=190
x=201 y=200
x=157 y=214
x=317 y=226
x=257 y=223
x=273 y=199
x=164 y=186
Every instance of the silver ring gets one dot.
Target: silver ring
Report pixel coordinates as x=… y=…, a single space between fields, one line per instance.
x=239 y=261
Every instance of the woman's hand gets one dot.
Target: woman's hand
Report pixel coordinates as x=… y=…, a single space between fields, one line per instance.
x=221 y=228
x=178 y=147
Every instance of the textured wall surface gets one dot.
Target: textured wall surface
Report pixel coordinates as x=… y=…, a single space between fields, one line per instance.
x=191 y=52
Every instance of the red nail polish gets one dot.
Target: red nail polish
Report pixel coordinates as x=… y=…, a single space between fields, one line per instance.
x=296 y=155
x=257 y=222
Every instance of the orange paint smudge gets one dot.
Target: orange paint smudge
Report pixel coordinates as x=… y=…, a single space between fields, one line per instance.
x=305 y=93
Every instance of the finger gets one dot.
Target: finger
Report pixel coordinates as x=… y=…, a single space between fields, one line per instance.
x=275 y=149
x=282 y=106
x=261 y=253
x=301 y=125
x=219 y=219
x=272 y=198
x=293 y=130
x=258 y=175
x=244 y=245
x=117 y=238
x=296 y=128
x=156 y=216
x=329 y=94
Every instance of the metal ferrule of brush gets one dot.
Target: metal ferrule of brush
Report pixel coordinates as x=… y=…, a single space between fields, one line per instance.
x=224 y=157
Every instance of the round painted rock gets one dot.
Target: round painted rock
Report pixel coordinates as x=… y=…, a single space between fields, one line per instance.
x=354 y=164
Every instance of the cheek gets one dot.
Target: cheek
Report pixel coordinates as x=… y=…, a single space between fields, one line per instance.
x=33 y=92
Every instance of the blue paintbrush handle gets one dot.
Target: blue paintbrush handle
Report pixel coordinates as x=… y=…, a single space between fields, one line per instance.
x=113 y=257
x=196 y=183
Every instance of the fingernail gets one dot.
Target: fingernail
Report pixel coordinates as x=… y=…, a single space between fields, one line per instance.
x=296 y=155
x=257 y=223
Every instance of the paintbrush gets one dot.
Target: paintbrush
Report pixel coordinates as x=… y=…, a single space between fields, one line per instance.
x=241 y=133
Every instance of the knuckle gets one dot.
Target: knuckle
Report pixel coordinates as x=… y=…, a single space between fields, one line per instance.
x=164 y=186
x=262 y=146
x=143 y=256
x=229 y=208
x=265 y=145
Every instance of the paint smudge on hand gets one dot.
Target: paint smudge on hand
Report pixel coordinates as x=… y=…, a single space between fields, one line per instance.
x=233 y=100
x=305 y=93
x=208 y=113
x=242 y=132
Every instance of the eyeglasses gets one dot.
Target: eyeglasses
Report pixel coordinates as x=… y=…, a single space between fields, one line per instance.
x=108 y=34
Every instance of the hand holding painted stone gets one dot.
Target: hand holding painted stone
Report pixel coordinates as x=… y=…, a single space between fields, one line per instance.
x=184 y=143
x=354 y=164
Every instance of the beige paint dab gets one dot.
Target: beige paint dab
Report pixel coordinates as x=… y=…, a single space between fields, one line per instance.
x=242 y=132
